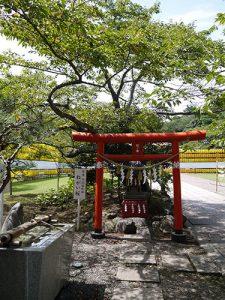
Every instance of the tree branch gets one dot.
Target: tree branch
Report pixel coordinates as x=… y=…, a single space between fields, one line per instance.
x=7 y=163
x=47 y=43
x=81 y=125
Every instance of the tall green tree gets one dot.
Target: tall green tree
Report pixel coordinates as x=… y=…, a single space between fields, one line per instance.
x=114 y=47
x=24 y=119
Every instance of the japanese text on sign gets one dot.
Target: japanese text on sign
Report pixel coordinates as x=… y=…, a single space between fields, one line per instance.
x=80 y=184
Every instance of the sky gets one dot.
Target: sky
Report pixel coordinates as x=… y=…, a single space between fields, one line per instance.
x=201 y=12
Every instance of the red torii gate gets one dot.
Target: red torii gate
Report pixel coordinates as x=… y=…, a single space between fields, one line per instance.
x=137 y=140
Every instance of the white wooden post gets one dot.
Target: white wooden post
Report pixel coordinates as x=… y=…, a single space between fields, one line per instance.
x=79 y=190
x=78 y=214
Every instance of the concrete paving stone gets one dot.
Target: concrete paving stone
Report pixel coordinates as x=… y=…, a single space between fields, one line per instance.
x=144 y=231
x=213 y=234
x=211 y=251
x=221 y=249
x=204 y=264
x=176 y=262
x=215 y=255
x=130 y=237
x=147 y=293
x=200 y=221
x=138 y=258
x=143 y=247
x=140 y=273
x=135 y=237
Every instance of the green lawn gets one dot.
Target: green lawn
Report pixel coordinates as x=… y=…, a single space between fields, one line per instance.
x=210 y=176
x=37 y=186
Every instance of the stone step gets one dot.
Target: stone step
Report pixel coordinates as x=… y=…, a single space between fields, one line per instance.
x=204 y=264
x=176 y=262
x=153 y=292
x=138 y=258
x=139 y=273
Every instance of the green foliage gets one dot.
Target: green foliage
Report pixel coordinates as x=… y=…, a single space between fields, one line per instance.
x=106 y=119
x=23 y=117
x=179 y=124
x=221 y=18
x=157 y=206
x=110 y=185
x=63 y=197
x=165 y=181
x=112 y=47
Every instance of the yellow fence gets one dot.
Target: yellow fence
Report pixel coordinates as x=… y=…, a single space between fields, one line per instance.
x=44 y=152
x=200 y=156
x=204 y=155
x=26 y=174
x=197 y=170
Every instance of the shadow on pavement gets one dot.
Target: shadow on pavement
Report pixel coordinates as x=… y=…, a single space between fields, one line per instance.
x=81 y=291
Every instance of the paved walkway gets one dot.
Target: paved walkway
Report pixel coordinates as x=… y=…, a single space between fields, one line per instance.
x=130 y=267
x=205 y=209
x=209 y=185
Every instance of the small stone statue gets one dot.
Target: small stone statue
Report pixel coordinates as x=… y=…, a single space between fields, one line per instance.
x=14 y=218
x=130 y=228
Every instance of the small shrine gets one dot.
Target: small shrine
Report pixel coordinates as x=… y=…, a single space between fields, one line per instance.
x=131 y=205
x=135 y=202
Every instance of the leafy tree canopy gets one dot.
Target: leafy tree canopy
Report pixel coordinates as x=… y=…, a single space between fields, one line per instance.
x=23 y=117
x=112 y=46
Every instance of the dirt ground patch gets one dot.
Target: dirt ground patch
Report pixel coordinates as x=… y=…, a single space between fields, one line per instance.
x=99 y=260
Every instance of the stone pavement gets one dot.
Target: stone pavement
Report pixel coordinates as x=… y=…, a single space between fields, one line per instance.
x=205 y=211
x=206 y=184
x=140 y=269
x=119 y=267
x=126 y=267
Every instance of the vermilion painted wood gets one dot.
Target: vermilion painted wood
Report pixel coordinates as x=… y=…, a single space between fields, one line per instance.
x=137 y=148
x=137 y=140
x=99 y=189
x=178 y=215
x=138 y=137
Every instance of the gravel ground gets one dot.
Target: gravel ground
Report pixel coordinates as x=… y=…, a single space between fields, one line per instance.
x=96 y=279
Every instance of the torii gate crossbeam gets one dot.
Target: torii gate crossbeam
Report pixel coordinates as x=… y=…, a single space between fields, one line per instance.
x=137 y=140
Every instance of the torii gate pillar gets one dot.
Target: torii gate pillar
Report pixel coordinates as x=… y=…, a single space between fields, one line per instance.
x=177 y=234
x=137 y=140
x=98 y=233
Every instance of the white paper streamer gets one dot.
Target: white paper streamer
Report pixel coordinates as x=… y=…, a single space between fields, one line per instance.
x=131 y=176
x=122 y=174
x=154 y=174
x=144 y=176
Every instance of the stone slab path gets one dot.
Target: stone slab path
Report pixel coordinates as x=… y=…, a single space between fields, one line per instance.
x=138 y=258
x=204 y=209
x=138 y=273
x=204 y=264
x=176 y=263
x=153 y=292
x=206 y=184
